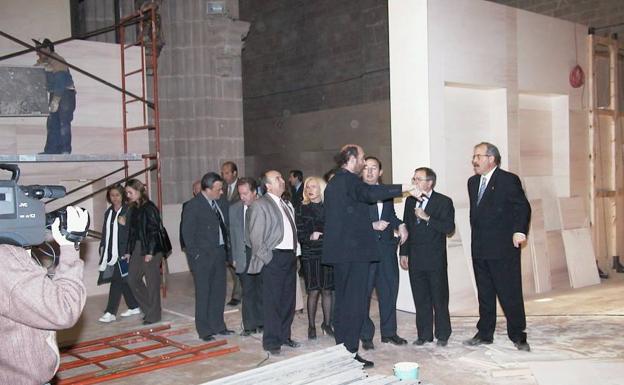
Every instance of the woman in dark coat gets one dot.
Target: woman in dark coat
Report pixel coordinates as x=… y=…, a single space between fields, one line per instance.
x=113 y=268
x=318 y=278
x=144 y=250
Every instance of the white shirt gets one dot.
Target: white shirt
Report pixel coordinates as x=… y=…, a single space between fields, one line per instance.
x=287 y=239
x=487 y=178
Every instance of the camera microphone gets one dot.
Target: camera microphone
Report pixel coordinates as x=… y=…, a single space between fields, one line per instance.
x=48 y=191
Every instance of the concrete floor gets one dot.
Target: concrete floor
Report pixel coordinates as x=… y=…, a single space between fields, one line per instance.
x=583 y=324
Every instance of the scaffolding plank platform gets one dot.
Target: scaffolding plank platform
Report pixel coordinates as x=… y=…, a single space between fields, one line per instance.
x=35 y=158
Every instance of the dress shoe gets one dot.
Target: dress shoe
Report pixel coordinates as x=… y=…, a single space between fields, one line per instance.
x=367 y=363
x=146 y=322
x=291 y=343
x=248 y=332
x=522 y=345
x=274 y=351
x=442 y=343
x=233 y=302
x=421 y=342
x=395 y=339
x=260 y=329
x=208 y=338
x=477 y=340
x=311 y=333
x=327 y=329
x=226 y=332
x=368 y=345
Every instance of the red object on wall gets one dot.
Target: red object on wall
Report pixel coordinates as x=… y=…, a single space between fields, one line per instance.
x=577 y=77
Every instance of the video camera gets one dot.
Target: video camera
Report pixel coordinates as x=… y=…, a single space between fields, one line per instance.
x=23 y=219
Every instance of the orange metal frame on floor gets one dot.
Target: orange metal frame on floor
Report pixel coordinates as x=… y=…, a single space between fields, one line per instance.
x=75 y=356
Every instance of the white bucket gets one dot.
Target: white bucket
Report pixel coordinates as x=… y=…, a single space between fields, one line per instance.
x=406 y=370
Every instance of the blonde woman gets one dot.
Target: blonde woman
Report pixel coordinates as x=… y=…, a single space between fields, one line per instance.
x=318 y=278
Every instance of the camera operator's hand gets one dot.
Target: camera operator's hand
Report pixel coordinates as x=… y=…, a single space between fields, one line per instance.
x=77 y=222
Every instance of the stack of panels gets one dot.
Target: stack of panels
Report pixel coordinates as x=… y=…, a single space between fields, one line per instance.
x=331 y=366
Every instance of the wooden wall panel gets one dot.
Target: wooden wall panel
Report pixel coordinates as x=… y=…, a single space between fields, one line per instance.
x=536 y=153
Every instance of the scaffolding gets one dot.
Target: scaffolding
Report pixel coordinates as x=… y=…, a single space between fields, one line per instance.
x=145 y=21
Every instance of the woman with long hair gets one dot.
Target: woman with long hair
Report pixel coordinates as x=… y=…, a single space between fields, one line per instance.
x=113 y=268
x=144 y=250
x=319 y=279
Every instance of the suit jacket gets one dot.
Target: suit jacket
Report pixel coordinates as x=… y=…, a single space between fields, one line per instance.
x=237 y=236
x=386 y=241
x=182 y=244
x=265 y=230
x=200 y=227
x=234 y=198
x=349 y=236
x=297 y=197
x=503 y=211
x=426 y=245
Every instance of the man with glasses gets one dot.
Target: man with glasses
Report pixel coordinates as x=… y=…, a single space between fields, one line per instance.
x=429 y=219
x=499 y=218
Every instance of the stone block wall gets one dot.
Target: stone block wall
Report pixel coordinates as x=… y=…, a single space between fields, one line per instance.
x=304 y=63
x=200 y=87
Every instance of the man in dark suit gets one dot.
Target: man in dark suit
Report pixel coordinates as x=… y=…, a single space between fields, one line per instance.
x=272 y=236
x=204 y=228
x=229 y=174
x=499 y=218
x=241 y=254
x=350 y=244
x=429 y=221
x=196 y=190
x=383 y=275
x=295 y=180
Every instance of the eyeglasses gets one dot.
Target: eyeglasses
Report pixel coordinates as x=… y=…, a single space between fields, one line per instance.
x=478 y=156
x=420 y=179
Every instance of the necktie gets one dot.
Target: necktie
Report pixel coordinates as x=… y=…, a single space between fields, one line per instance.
x=481 y=190
x=224 y=233
x=292 y=223
x=420 y=204
x=230 y=192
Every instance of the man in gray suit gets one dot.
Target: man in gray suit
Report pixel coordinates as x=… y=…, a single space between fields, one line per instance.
x=204 y=230
x=272 y=236
x=241 y=254
x=229 y=174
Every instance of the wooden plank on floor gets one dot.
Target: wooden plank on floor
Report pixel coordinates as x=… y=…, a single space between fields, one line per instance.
x=580 y=257
x=539 y=250
x=558 y=267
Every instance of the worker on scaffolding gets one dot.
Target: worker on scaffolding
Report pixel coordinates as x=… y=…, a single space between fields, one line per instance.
x=62 y=100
